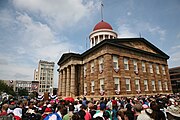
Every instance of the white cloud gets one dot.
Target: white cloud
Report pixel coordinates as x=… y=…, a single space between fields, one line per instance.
x=57 y=13
x=174 y=53
x=175 y=47
x=125 y=31
x=35 y=41
x=174 y=59
x=132 y=28
x=35 y=33
x=5 y=18
x=155 y=30
x=31 y=34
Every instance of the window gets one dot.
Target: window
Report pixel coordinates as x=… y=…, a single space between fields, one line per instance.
x=153 y=85
x=157 y=69
x=101 y=84
x=150 y=68
x=92 y=86
x=117 y=85
x=135 y=65
x=166 y=85
x=143 y=67
x=145 y=85
x=137 y=85
x=128 y=85
x=115 y=62
x=160 y=85
x=163 y=70
x=85 y=88
x=92 y=67
x=126 y=65
x=85 y=70
x=101 y=65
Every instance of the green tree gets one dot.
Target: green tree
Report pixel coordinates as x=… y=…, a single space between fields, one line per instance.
x=22 y=92
x=5 y=88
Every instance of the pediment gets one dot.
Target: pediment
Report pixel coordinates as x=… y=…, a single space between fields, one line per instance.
x=139 y=45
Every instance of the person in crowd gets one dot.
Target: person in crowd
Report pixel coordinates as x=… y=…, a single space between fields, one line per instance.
x=47 y=111
x=87 y=115
x=93 y=110
x=146 y=113
x=129 y=113
x=69 y=115
x=4 y=110
x=76 y=116
x=60 y=110
x=157 y=114
x=77 y=105
x=82 y=114
x=114 y=112
x=137 y=110
x=18 y=110
x=101 y=111
x=109 y=104
x=84 y=101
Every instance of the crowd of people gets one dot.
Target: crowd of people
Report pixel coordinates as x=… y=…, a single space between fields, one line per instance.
x=157 y=107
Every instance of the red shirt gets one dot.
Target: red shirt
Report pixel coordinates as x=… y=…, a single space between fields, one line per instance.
x=3 y=114
x=87 y=116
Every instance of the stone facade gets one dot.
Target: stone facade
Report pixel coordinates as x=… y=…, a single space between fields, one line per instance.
x=82 y=74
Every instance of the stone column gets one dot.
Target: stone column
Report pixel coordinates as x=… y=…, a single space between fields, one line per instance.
x=103 y=37
x=93 y=42
x=63 y=84
x=68 y=82
x=72 y=89
x=109 y=37
x=98 y=39
x=60 y=84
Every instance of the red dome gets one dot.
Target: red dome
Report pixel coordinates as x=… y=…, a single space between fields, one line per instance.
x=102 y=25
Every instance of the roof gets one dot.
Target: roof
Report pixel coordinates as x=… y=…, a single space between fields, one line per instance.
x=116 y=43
x=102 y=25
x=66 y=56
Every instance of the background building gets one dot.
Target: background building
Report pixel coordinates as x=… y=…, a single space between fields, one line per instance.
x=36 y=74
x=114 y=67
x=175 y=78
x=23 y=85
x=45 y=76
x=19 y=84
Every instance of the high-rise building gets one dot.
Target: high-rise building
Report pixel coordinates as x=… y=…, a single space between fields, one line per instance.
x=114 y=67
x=36 y=74
x=45 y=76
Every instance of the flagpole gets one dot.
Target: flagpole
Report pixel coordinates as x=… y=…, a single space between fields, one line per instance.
x=102 y=11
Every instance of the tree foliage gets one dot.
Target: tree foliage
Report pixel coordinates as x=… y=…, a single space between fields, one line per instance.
x=22 y=92
x=5 y=88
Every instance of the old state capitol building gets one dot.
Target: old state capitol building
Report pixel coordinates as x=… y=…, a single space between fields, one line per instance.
x=114 y=67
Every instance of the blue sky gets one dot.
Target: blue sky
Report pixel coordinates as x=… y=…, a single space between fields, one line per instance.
x=33 y=30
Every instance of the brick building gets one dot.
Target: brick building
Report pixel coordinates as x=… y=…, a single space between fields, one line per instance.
x=175 y=79
x=114 y=67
